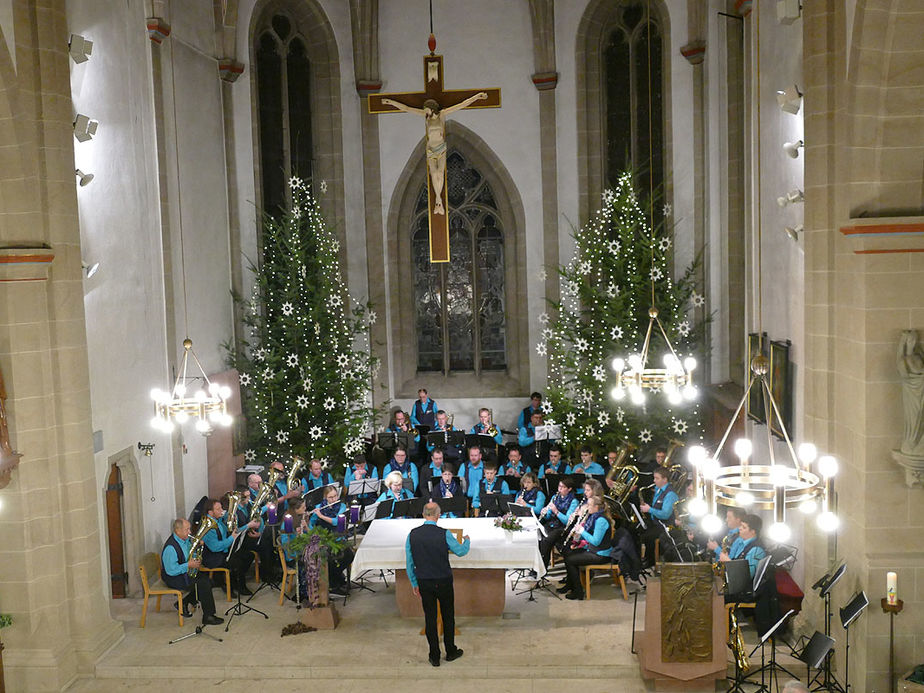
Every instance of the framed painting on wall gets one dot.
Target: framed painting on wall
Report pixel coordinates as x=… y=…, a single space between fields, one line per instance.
x=779 y=382
x=757 y=344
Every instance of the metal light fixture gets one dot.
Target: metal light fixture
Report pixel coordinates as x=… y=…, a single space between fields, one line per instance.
x=792 y=148
x=147 y=449
x=79 y=48
x=794 y=231
x=792 y=197
x=790 y=99
x=88 y=269
x=84 y=127
x=634 y=376
x=83 y=179
x=207 y=405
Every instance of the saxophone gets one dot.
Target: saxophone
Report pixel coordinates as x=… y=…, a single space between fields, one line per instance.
x=198 y=544
x=736 y=641
x=234 y=500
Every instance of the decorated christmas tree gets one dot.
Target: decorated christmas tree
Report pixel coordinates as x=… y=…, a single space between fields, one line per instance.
x=305 y=365
x=621 y=267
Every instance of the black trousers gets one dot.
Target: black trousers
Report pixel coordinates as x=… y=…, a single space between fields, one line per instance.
x=574 y=561
x=653 y=531
x=201 y=591
x=547 y=543
x=433 y=592
x=337 y=567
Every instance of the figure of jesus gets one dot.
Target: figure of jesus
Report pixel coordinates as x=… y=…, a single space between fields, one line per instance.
x=435 y=120
x=911 y=369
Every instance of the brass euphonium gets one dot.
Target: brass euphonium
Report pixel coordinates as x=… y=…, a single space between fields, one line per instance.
x=492 y=431
x=622 y=452
x=207 y=524
x=292 y=482
x=265 y=493
x=676 y=473
x=672 y=446
x=234 y=500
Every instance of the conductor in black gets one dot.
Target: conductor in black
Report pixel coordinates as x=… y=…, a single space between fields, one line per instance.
x=427 y=551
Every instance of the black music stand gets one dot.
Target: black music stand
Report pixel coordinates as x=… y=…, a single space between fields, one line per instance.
x=274 y=530
x=200 y=629
x=520 y=510
x=314 y=497
x=239 y=609
x=382 y=509
x=492 y=504
x=363 y=489
x=407 y=483
x=772 y=667
x=542 y=583
x=849 y=614
x=814 y=655
x=513 y=482
x=391 y=440
x=434 y=481
x=824 y=585
x=455 y=505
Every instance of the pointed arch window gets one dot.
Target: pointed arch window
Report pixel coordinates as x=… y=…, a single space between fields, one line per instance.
x=634 y=99
x=460 y=311
x=284 y=109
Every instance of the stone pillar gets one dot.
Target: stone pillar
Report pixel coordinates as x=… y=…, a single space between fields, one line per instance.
x=50 y=562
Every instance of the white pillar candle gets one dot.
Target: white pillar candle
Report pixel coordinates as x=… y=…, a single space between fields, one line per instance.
x=892 y=588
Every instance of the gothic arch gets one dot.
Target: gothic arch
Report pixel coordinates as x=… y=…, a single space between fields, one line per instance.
x=326 y=121
x=598 y=21
x=515 y=379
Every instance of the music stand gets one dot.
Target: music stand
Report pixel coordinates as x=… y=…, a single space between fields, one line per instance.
x=824 y=585
x=314 y=497
x=548 y=432
x=383 y=509
x=814 y=655
x=738 y=578
x=407 y=483
x=200 y=629
x=274 y=533
x=772 y=665
x=455 y=505
x=492 y=504
x=784 y=556
x=551 y=484
x=519 y=510
x=388 y=440
x=403 y=508
x=849 y=614
x=238 y=609
x=363 y=488
x=513 y=482
x=434 y=482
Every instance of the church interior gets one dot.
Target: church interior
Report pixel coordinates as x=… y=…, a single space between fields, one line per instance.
x=777 y=145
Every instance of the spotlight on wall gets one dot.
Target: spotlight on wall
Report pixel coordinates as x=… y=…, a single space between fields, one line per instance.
x=84 y=128
x=792 y=148
x=79 y=48
x=146 y=448
x=787 y=11
x=88 y=269
x=790 y=99
x=83 y=178
x=794 y=231
x=791 y=198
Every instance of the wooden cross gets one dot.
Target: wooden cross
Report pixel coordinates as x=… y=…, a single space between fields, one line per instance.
x=449 y=102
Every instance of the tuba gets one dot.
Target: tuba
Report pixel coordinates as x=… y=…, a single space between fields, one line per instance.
x=292 y=481
x=198 y=541
x=234 y=500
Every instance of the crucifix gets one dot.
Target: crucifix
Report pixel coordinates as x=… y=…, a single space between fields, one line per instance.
x=434 y=104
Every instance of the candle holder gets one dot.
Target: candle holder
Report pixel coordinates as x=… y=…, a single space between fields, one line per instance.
x=892 y=610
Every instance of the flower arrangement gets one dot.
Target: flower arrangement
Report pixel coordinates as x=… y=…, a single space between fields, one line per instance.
x=510 y=522
x=6 y=620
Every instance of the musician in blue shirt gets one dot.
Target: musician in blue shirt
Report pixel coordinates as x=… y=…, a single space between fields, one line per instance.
x=526 y=437
x=175 y=566
x=555 y=516
x=535 y=402
x=733 y=518
x=401 y=464
x=555 y=464
x=661 y=510
x=590 y=542
x=587 y=464
x=327 y=515
x=472 y=472
x=747 y=545
x=529 y=494
x=486 y=427
x=217 y=544
x=394 y=489
x=515 y=465
x=316 y=477
x=451 y=453
x=490 y=485
x=360 y=470
x=431 y=471
x=402 y=425
x=424 y=410
x=447 y=487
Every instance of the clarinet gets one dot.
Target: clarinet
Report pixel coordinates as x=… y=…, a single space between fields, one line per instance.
x=543 y=514
x=577 y=518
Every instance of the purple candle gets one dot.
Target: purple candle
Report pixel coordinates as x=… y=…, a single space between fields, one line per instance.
x=271 y=513
x=287 y=526
x=354 y=514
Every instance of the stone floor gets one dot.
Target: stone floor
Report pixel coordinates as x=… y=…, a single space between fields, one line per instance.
x=547 y=645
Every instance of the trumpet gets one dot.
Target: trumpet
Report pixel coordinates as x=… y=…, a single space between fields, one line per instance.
x=234 y=500
x=197 y=545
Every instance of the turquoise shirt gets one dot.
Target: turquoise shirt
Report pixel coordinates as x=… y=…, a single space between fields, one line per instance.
x=454 y=546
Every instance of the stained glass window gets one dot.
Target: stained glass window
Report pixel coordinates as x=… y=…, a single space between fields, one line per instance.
x=634 y=118
x=461 y=305
x=282 y=71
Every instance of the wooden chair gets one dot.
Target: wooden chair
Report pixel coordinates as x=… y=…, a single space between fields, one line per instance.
x=227 y=573
x=287 y=572
x=612 y=568
x=256 y=566
x=148 y=593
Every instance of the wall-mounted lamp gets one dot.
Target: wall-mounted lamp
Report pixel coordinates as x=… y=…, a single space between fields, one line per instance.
x=88 y=269
x=791 y=198
x=83 y=178
x=79 y=48
x=790 y=99
x=84 y=127
x=788 y=11
x=146 y=448
x=794 y=231
x=792 y=148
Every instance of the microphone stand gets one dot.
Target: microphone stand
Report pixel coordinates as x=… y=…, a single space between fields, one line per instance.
x=200 y=629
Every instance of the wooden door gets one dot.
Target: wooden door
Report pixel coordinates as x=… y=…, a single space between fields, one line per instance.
x=114 y=528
